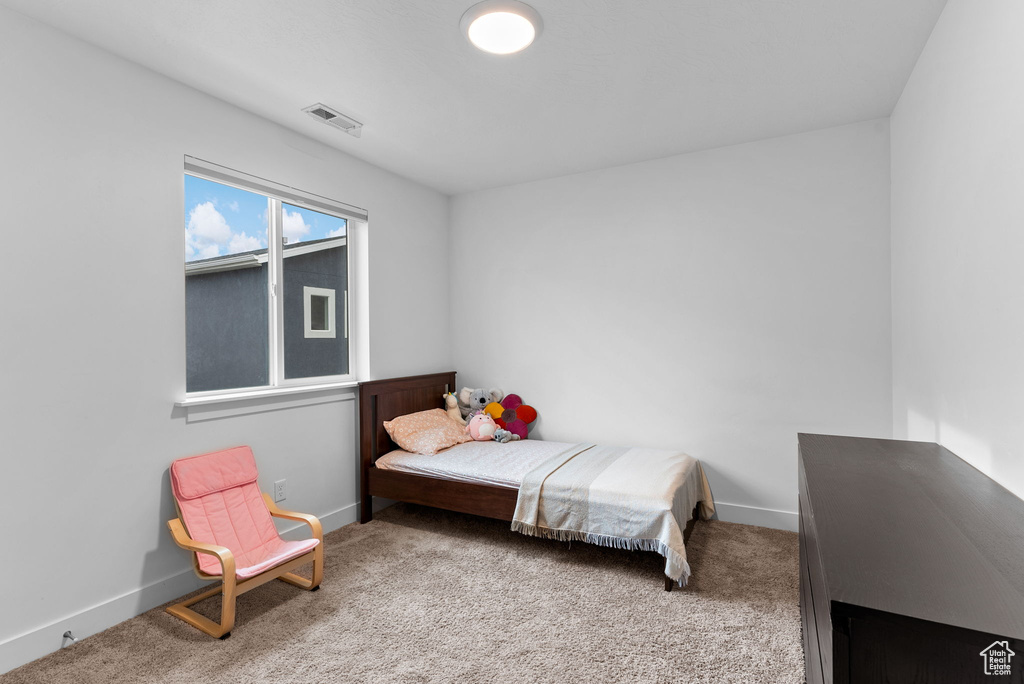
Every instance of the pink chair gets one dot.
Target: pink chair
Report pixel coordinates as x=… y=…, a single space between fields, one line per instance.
x=228 y=525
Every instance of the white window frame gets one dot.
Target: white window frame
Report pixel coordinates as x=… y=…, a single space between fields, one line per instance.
x=279 y=195
x=307 y=312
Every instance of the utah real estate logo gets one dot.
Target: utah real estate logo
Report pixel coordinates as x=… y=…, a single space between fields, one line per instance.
x=997 y=658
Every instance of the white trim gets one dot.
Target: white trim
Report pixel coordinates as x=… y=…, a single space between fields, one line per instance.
x=319 y=380
x=219 y=397
x=331 y=332
x=358 y=313
x=755 y=515
x=275 y=304
x=246 y=181
x=297 y=248
x=45 y=639
x=197 y=414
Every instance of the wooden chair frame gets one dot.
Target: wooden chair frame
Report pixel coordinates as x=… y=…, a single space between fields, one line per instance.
x=230 y=587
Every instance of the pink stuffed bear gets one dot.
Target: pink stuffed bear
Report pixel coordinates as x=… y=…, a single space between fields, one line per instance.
x=481 y=427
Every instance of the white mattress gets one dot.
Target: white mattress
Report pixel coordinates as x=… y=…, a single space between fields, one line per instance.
x=502 y=465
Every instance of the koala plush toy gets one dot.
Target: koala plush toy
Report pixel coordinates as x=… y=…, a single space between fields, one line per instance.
x=476 y=399
x=504 y=436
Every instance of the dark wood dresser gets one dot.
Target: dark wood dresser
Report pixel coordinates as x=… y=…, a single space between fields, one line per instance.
x=911 y=565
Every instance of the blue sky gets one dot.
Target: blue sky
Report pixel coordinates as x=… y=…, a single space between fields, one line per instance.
x=220 y=220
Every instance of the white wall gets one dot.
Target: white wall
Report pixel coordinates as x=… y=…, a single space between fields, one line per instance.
x=958 y=240
x=716 y=302
x=93 y=312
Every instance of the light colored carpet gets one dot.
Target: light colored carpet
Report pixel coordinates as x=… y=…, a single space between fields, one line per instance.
x=422 y=595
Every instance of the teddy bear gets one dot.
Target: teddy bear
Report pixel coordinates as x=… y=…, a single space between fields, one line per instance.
x=481 y=427
x=504 y=436
x=451 y=403
x=471 y=400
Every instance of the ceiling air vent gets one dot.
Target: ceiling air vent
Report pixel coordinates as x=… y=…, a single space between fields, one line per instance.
x=333 y=117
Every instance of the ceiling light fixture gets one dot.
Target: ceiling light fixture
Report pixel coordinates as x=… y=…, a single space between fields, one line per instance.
x=501 y=27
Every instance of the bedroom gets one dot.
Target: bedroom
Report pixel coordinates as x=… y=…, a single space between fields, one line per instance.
x=804 y=222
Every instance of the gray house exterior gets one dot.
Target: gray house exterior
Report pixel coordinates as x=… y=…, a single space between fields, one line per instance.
x=227 y=319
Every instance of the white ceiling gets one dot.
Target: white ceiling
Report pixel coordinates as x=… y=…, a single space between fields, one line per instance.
x=608 y=82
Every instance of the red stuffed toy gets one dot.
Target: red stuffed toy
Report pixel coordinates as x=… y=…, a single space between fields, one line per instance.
x=512 y=415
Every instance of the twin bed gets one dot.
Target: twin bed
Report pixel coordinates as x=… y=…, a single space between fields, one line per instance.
x=631 y=498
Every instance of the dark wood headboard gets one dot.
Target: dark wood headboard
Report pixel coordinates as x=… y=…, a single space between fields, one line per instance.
x=381 y=400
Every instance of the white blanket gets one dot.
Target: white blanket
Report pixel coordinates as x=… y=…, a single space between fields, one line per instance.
x=627 y=498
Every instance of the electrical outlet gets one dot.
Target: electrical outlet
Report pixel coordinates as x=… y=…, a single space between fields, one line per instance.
x=280 y=493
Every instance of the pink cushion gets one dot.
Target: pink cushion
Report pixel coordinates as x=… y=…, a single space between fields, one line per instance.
x=221 y=504
x=285 y=552
x=201 y=475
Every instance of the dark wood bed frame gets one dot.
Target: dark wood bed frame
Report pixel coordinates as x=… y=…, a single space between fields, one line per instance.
x=381 y=400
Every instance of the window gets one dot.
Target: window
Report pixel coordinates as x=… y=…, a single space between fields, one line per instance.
x=318 y=311
x=266 y=283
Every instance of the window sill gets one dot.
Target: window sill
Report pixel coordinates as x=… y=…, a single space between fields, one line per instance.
x=262 y=393
x=226 y=404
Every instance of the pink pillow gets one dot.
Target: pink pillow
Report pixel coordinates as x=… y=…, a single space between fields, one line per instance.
x=426 y=432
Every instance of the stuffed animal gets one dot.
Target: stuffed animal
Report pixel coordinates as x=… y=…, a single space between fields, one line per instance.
x=481 y=427
x=451 y=403
x=504 y=436
x=512 y=415
x=476 y=399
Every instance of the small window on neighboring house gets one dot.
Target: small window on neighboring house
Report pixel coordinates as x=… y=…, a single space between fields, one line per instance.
x=318 y=314
x=318 y=310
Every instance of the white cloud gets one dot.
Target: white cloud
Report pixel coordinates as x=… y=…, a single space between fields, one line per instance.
x=295 y=227
x=233 y=206
x=240 y=242
x=205 y=232
x=208 y=235
x=194 y=251
x=337 y=232
x=209 y=252
x=206 y=223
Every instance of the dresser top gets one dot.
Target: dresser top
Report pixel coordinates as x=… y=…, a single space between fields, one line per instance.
x=912 y=529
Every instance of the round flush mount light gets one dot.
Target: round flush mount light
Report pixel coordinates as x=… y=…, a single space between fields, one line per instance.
x=501 y=27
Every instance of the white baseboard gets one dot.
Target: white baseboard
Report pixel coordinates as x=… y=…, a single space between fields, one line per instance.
x=46 y=639
x=762 y=517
